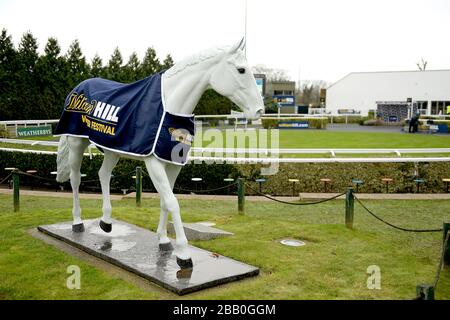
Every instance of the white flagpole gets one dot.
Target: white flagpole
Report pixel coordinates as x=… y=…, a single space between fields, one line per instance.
x=245 y=31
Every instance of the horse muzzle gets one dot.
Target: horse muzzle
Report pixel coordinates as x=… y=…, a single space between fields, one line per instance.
x=259 y=112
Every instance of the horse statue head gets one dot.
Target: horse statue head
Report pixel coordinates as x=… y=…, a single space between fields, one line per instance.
x=233 y=78
x=223 y=69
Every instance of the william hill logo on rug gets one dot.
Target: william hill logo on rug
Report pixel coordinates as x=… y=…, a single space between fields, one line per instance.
x=99 y=116
x=181 y=135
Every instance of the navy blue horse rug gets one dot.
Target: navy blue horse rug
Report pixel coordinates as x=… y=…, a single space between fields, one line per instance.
x=127 y=118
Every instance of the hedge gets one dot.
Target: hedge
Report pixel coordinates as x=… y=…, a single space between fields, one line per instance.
x=342 y=174
x=309 y=175
x=348 y=119
x=212 y=175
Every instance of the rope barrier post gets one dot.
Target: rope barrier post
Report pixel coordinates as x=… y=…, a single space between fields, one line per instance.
x=425 y=292
x=138 y=186
x=16 y=193
x=446 y=229
x=241 y=195
x=349 y=207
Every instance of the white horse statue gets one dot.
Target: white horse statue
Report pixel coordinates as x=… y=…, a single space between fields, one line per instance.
x=223 y=69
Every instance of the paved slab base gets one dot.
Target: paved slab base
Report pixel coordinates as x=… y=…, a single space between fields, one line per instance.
x=195 y=231
x=136 y=250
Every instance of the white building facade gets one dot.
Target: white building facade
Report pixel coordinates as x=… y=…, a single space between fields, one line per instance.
x=393 y=94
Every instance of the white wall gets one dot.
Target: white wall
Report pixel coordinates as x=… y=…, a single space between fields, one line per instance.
x=361 y=90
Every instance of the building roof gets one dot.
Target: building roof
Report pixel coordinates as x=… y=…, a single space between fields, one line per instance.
x=378 y=72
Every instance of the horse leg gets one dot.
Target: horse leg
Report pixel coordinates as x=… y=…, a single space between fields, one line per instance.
x=156 y=169
x=172 y=172
x=109 y=162
x=76 y=149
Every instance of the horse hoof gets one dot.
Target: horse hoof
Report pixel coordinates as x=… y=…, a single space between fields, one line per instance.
x=184 y=273
x=78 y=227
x=165 y=246
x=185 y=264
x=107 y=227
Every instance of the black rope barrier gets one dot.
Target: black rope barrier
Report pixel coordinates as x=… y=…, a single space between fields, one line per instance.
x=7 y=177
x=206 y=190
x=34 y=176
x=441 y=261
x=293 y=203
x=112 y=177
x=426 y=292
x=198 y=191
x=392 y=225
x=421 y=296
x=146 y=173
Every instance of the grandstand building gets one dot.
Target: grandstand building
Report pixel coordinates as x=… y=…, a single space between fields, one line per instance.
x=393 y=95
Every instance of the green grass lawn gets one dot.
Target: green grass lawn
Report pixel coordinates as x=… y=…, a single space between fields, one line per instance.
x=27 y=146
x=332 y=265
x=358 y=140
x=322 y=139
x=41 y=138
x=336 y=139
x=310 y=139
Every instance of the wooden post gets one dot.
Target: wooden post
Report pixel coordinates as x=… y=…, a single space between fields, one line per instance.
x=425 y=291
x=15 y=176
x=349 y=208
x=138 y=186
x=446 y=228
x=241 y=195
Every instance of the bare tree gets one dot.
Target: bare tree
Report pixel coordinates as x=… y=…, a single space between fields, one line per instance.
x=422 y=65
x=309 y=92
x=271 y=74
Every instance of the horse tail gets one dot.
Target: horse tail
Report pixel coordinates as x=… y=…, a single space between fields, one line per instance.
x=62 y=160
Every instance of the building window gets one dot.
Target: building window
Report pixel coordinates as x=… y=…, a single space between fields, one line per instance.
x=439 y=107
x=421 y=107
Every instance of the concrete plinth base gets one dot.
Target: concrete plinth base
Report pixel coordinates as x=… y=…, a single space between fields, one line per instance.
x=195 y=231
x=137 y=250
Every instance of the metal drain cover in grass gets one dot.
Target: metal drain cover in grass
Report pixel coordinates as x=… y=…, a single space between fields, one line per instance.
x=292 y=242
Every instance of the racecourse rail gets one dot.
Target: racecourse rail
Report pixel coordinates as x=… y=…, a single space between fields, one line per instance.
x=267 y=155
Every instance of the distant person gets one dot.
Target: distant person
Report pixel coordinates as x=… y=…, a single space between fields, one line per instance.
x=379 y=115
x=414 y=123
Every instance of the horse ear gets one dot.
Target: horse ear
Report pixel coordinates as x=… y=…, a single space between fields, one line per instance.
x=238 y=46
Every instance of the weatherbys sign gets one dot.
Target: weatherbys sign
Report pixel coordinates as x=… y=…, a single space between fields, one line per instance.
x=34 y=131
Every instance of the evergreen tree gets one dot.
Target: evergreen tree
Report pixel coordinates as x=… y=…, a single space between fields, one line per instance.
x=131 y=69
x=35 y=87
x=8 y=56
x=213 y=103
x=97 y=69
x=78 y=69
x=150 y=65
x=114 y=70
x=8 y=75
x=168 y=62
x=52 y=83
x=28 y=52
x=27 y=95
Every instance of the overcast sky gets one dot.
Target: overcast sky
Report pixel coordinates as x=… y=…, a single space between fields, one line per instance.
x=320 y=39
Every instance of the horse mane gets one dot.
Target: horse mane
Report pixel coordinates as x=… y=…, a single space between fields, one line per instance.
x=195 y=59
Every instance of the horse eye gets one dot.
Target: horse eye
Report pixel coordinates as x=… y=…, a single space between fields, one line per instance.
x=241 y=70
